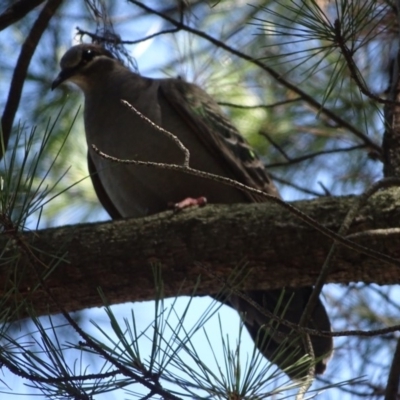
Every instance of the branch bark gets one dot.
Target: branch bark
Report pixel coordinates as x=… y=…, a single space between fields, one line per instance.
x=277 y=249
x=17 y=11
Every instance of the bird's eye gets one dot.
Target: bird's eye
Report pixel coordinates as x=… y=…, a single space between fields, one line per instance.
x=87 y=56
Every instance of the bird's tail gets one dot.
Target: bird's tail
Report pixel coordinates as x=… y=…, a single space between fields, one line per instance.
x=280 y=344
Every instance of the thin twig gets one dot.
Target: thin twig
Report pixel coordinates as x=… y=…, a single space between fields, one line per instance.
x=309 y=379
x=348 y=56
x=276 y=145
x=296 y=160
x=60 y=379
x=101 y=38
x=265 y=106
x=373 y=233
x=347 y=389
x=324 y=188
x=294 y=185
x=169 y=134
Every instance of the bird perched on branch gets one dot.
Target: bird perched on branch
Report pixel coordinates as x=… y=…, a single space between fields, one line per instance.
x=215 y=146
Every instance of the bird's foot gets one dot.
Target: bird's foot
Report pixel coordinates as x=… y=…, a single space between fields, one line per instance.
x=188 y=202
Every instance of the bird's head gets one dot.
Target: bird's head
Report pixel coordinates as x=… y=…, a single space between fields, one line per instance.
x=82 y=62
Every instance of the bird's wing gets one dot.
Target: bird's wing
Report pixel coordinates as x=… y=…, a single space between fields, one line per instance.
x=222 y=139
x=100 y=191
x=219 y=136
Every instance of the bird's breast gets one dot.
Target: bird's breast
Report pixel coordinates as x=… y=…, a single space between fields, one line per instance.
x=142 y=190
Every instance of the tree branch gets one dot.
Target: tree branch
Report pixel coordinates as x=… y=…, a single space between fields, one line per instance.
x=17 y=11
x=296 y=160
x=279 y=250
x=21 y=69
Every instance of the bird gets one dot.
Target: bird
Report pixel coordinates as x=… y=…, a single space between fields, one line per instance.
x=215 y=146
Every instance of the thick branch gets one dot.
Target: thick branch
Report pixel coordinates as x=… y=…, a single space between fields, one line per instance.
x=17 y=11
x=277 y=248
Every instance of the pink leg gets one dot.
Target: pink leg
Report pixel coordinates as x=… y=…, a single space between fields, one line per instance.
x=188 y=202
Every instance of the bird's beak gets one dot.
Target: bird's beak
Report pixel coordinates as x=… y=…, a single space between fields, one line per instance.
x=62 y=76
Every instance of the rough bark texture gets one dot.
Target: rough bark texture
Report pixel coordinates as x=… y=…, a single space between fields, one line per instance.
x=276 y=246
